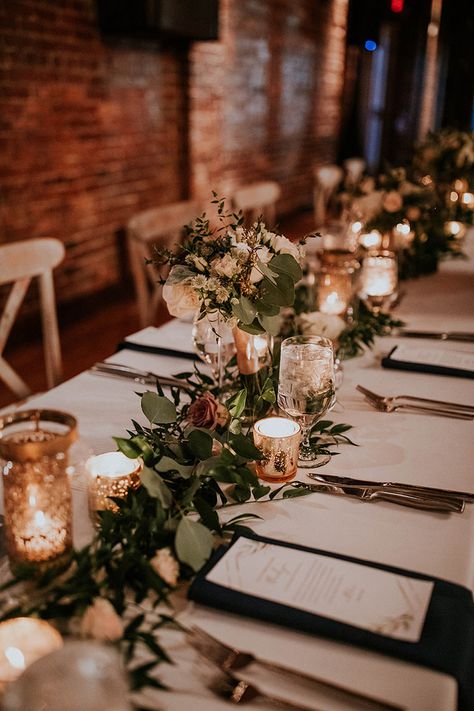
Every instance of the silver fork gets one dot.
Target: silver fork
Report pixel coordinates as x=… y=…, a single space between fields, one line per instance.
x=390 y=406
x=229 y=659
x=442 y=403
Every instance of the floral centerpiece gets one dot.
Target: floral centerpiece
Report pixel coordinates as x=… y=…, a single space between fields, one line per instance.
x=446 y=156
x=410 y=219
x=242 y=276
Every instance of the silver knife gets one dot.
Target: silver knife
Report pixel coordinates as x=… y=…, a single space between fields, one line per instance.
x=348 y=482
x=416 y=501
x=438 y=335
x=115 y=370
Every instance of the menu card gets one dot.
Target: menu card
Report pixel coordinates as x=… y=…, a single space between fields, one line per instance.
x=352 y=593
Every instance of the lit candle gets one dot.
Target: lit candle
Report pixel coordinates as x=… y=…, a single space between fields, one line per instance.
x=403 y=234
x=379 y=278
x=371 y=240
x=23 y=640
x=454 y=228
x=111 y=474
x=468 y=200
x=278 y=438
x=334 y=290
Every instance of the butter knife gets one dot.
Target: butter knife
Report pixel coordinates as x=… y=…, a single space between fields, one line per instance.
x=348 y=482
x=115 y=370
x=416 y=501
x=439 y=335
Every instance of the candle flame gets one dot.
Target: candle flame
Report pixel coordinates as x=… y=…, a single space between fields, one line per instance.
x=39 y=518
x=15 y=657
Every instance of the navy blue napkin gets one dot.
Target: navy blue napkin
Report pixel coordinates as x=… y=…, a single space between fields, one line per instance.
x=391 y=361
x=446 y=643
x=156 y=350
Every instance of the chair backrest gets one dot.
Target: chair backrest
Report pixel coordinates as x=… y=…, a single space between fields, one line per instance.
x=354 y=168
x=258 y=199
x=162 y=226
x=20 y=262
x=326 y=181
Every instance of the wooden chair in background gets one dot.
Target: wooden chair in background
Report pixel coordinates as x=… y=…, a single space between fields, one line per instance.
x=258 y=199
x=20 y=262
x=327 y=178
x=162 y=226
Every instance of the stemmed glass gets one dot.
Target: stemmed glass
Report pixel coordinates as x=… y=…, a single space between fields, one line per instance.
x=306 y=387
x=214 y=343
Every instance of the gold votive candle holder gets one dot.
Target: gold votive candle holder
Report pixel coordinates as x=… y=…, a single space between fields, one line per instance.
x=23 y=640
x=334 y=289
x=278 y=438
x=379 y=279
x=111 y=474
x=37 y=497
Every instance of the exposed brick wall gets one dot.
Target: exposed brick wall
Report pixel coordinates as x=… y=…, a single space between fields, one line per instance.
x=91 y=133
x=266 y=99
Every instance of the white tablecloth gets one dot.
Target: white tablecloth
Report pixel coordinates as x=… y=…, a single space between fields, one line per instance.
x=393 y=447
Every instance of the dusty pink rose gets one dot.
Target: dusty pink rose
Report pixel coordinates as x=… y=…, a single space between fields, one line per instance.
x=393 y=201
x=100 y=621
x=207 y=412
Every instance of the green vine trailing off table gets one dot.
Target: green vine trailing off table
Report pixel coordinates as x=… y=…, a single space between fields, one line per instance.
x=198 y=461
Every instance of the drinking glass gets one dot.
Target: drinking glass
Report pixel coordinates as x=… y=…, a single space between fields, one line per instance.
x=214 y=343
x=379 y=279
x=306 y=387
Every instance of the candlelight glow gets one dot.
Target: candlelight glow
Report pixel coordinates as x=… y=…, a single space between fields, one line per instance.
x=111 y=464
x=468 y=199
x=15 y=657
x=23 y=640
x=371 y=240
x=277 y=427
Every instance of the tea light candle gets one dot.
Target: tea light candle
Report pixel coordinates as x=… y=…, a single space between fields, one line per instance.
x=23 y=640
x=111 y=474
x=371 y=240
x=468 y=200
x=278 y=438
x=457 y=229
x=379 y=274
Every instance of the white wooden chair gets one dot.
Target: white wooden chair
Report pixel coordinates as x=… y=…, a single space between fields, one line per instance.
x=354 y=168
x=159 y=225
x=20 y=262
x=258 y=199
x=326 y=181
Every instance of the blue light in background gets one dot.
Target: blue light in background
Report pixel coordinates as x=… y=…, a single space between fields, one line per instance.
x=370 y=45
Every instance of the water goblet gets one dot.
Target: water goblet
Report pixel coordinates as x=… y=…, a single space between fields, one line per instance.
x=306 y=388
x=214 y=343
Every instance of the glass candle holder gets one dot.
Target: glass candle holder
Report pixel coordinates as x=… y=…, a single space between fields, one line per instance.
x=278 y=438
x=334 y=290
x=111 y=474
x=378 y=279
x=34 y=448
x=23 y=640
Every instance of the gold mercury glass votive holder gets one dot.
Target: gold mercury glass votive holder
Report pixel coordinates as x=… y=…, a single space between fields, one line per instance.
x=34 y=448
x=334 y=290
x=278 y=438
x=111 y=475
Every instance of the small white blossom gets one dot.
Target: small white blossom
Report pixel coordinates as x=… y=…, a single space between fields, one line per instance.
x=166 y=566
x=101 y=622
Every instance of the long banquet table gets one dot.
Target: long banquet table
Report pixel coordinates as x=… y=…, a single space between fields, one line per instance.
x=394 y=447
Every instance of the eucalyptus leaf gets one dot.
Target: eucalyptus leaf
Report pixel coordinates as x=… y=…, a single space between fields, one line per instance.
x=127 y=447
x=200 y=444
x=286 y=264
x=193 y=543
x=244 y=446
x=156 y=487
x=244 y=310
x=236 y=403
x=166 y=464
x=271 y=324
x=158 y=409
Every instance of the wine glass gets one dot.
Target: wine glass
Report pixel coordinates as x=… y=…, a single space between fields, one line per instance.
x=306 y=387
x=214 y=344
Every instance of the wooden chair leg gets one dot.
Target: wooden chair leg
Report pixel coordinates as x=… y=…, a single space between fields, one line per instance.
x=52 y=347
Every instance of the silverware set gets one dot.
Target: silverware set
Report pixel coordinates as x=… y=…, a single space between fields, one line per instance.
x=418 y=405
x=420 y=497
x=232 y=687
x=464 y=336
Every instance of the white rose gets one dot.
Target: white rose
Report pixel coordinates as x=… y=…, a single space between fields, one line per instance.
x=282 y=245
x=319 y=324
x=166 y=566
x=100 y=621
x=263 y=255
x=181 y=299
x=393 y=201
x=225 y=266
x=200 y=263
